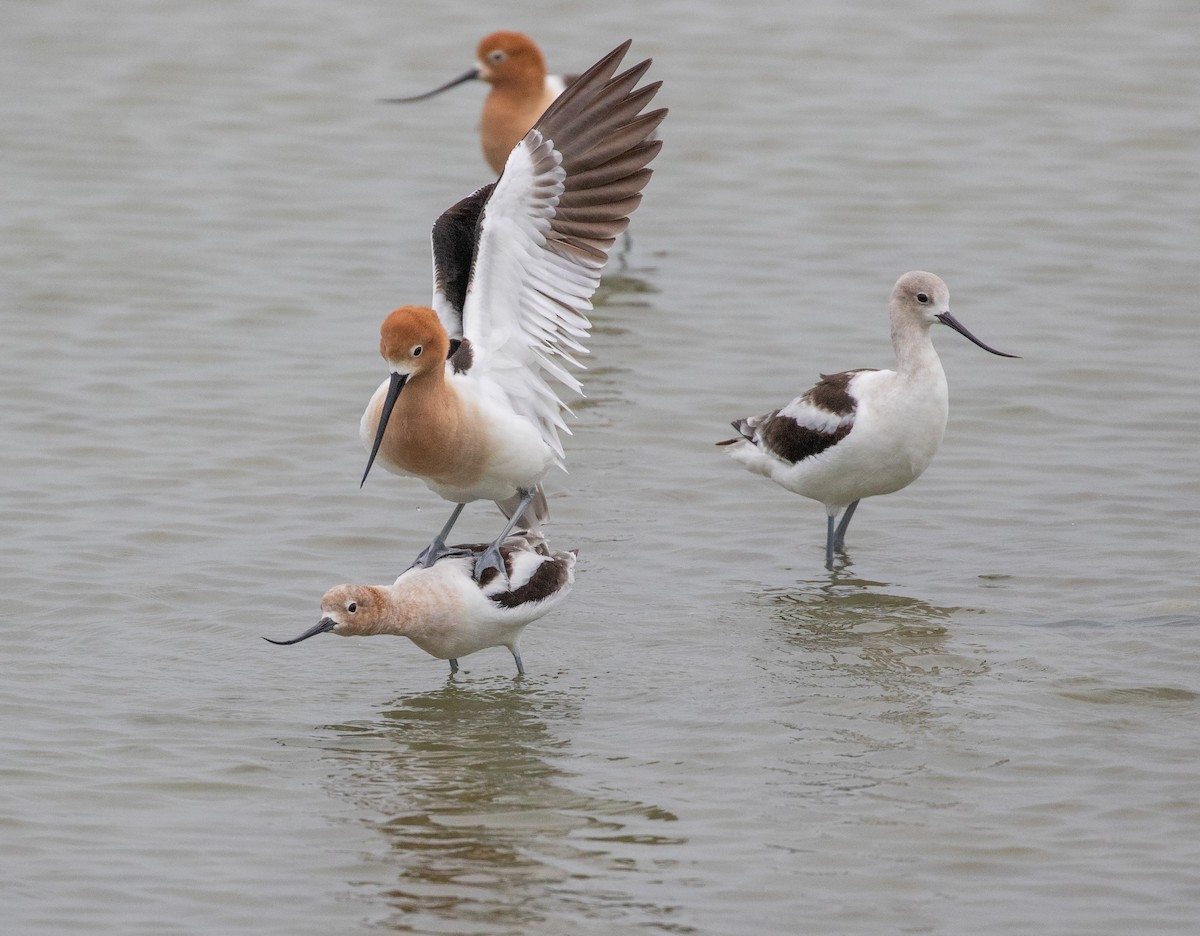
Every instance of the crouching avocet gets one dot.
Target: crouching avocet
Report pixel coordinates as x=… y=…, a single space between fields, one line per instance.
x=862 y=432
x=445 y=611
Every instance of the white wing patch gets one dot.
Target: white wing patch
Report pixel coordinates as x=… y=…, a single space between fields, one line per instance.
x=525 y=310
x=816 y=418
x=543 y=238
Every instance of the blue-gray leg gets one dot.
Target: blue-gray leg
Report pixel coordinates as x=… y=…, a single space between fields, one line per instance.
x=835 y=537
x=435 y=550
x=517 y=656
x=490 y=558
x=839 y=536
x=453 y=666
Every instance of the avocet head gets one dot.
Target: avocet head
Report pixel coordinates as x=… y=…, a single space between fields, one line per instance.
x=921 y=296
x=510 y=58
x=924 y=297
x=502 y=59
x=353 y=609
x=413 y=342
x=346 y=610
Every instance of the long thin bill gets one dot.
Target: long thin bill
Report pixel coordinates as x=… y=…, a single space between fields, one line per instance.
x=323 y=625
x=947 y=319
x=466 y=76
x=389 y=403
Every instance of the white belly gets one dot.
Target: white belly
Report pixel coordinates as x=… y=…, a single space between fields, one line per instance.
x=897 y=430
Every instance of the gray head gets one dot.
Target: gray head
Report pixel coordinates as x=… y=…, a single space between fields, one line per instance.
x=924 y=297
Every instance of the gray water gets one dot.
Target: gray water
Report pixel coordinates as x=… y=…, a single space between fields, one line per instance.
x=986 y=721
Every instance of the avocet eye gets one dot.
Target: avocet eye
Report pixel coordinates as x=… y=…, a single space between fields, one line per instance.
x=921 y=297
x=416 y=351
x=352 y=607
x=498 y=55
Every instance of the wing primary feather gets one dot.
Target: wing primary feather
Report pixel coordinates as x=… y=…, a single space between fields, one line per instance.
x=542 y=236
x=617 y=169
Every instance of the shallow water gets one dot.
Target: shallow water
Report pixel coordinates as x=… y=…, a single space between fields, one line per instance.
x=985 y=721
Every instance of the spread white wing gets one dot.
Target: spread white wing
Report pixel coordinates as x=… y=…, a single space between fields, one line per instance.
x=539 y=239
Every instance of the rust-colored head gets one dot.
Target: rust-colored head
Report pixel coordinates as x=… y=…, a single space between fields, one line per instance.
x=414 y=344
x=510 y=59
x=413 y=341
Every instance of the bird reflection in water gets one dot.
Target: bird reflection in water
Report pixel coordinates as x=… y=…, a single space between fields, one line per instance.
x=482 y=824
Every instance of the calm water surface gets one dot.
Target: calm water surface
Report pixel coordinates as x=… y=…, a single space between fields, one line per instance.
x=986 y=721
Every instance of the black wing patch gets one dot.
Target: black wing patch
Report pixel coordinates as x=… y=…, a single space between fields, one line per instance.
x=455 y=239
x=832 y=393
x=797 y=432
x=793 y=442
x=547 y=580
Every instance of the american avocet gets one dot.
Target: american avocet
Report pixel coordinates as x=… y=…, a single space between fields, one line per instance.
x=515 y=266
x=862 y=432
x=521 y=91
x=445 y=611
